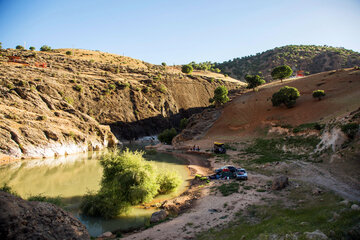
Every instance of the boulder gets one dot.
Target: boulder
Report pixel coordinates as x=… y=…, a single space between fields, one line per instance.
x=355 y=207
x=21 y=219
x=106 y=235
x=316 y=235
x=158 y=216
x=280 y=183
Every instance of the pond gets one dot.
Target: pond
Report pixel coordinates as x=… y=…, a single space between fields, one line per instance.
x=70 y=177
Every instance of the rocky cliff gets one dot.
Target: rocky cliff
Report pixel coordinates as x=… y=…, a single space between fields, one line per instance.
x=79 y=101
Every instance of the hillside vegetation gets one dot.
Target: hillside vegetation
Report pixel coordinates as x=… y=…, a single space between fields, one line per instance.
x=309 y=58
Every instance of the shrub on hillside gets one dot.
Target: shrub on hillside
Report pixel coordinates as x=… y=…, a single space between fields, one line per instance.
x=32 y=48
x=19 y=47
x=187 y=69
x=164 y=64
x=286 y=95
x=318 y=94
x=220 y=95
x=254 y=81
x=78 y=88
x=167 y=135
x=45 y=48
x=281 y=72
x=183 y=123
x=350 y=129
x=68 y=53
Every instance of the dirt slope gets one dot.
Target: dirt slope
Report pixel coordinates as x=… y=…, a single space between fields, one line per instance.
x=253 y=111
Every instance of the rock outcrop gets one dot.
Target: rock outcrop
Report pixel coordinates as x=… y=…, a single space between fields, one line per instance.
x=20 y=219
x=158 y=216
x=280 y=183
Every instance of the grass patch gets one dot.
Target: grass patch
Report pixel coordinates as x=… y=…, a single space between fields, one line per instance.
x=271 y=150
x=310 y=126
x=228 y=189
x=259 y=222
x=41 y=198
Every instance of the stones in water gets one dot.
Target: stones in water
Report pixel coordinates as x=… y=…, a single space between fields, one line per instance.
x=21 y=219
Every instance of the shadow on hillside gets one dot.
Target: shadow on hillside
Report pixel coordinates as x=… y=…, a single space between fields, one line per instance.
x=150 y=126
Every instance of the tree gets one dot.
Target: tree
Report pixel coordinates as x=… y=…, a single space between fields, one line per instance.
x=286 y=95
x=254 y=81
x=187 y=69
x=183 y=123
x=220 y=95
x=167 y=135
x=0 y=45
x=164 y=64
x=68 y=53
x=45 y=48
x=32 y=48
x=281 y=72
x=318 y=94
x=19 y=47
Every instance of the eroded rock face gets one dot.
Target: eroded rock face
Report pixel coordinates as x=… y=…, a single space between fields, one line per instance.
x=20 y=219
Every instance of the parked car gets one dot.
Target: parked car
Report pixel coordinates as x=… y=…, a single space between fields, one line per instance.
x=241 y=174
x=226 y=168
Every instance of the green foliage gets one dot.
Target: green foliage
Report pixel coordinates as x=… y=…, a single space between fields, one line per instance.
x=183 y=123
x=281 y=72
x=220 y=95
x=187 y=69
x=32 y=48
x=162 y=88
x=168 y=181
x=112 y=86
x=68 y=53
x=227 y=189
x=41 y=198
x=69 y=100
x=8 y=189
x=0 y=45
x=254 y=81
x=19 y=47
x=350 y=129
x=167 y=135
x=271 y=150
x=78 y=87
x=164 y=64
x=45 y=48
x=318 y=94
x=302 y=127
x=128 y=179
x=286 y=95
x=205 y=66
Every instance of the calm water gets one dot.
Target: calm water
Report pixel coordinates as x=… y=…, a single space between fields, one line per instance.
x=72 y=176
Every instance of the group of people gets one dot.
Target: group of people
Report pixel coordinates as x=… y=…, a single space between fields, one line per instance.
x=195 y=148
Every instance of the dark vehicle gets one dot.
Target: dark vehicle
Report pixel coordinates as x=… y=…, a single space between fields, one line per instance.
x=219 y=148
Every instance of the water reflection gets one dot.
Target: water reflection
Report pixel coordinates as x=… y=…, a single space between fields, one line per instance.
x=72 y=176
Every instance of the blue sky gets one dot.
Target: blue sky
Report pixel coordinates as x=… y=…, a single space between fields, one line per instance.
x=177 y=32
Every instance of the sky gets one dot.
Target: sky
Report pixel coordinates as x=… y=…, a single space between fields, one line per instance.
x=178 y=32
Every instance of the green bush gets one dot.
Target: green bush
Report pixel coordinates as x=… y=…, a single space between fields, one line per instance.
x=281 y=72
x=286 y=95
x=8 y=189
x=45 y=48
x=162 y=88
x=318 y=94
x=187 y=69
x=254 y=81
x=183 y=123
x=69 y=100
x=167 y=135
x=164 y=64
x=78 y=87
x=32 y=48
x=168 y=181
x=220 y=95
x=128 y=179
x=112 y=86
x=68 y=53
x=41 y=198
x=19 y=47
x=350 y=129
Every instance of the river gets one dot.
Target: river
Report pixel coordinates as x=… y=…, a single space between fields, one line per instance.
x=72 y=176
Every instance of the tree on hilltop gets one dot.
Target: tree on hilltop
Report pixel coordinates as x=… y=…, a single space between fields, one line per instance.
x=45 y=48
x=187 y=69
x=281 y=72
x=254 y=81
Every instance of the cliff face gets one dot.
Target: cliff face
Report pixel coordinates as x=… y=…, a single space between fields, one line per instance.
x=79 y=101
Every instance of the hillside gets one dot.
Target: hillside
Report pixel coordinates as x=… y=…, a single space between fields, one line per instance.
x=309 y=58
x=64 y=107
